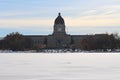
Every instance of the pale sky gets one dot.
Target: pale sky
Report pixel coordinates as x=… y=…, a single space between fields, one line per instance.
x=36 y=17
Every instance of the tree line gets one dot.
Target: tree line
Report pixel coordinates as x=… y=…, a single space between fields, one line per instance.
x=17 y=42
x=101 y=42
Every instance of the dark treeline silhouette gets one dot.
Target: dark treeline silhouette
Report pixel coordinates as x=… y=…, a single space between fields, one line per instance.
x=101 y=42
x=15 y=42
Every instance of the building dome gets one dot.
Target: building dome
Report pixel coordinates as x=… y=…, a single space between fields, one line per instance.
x=59 y=19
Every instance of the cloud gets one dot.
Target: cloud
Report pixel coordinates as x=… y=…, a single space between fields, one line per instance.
x=100 y=16
x=103 y=10
x=25 y=22
x=93 y=22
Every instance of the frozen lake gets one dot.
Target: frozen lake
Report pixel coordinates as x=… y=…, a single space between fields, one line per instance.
x=59 y=66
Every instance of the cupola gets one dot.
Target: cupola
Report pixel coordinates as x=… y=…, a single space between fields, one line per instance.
x=59 y=19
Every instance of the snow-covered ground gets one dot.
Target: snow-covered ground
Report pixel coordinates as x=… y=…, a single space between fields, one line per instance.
x=53 y=66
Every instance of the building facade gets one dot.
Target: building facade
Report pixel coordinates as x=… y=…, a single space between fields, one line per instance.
x=59 y=39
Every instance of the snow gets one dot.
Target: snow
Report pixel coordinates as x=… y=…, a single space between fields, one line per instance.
x=68 y=66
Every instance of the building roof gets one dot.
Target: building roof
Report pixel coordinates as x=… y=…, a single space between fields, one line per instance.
x=35 y=35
